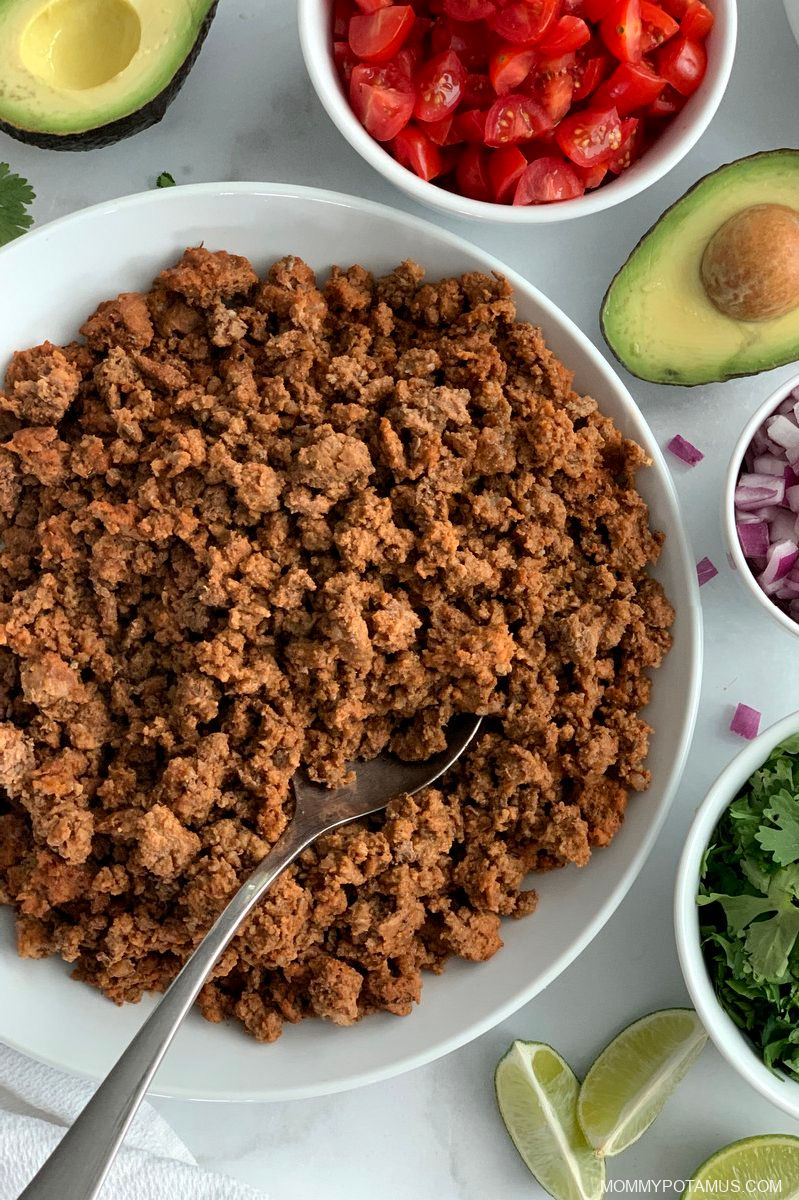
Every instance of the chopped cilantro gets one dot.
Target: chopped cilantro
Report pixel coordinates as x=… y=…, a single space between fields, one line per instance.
x=749 y=893
x=15 y=196
x=165 y=180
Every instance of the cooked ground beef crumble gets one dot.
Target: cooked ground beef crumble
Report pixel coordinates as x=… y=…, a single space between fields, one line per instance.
x=251 y=524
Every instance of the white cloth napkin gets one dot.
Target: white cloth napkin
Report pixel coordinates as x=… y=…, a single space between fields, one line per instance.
x=38 y=1103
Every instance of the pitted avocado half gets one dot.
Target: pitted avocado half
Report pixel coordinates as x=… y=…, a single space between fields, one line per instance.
x=77 y=74
x=712 y=290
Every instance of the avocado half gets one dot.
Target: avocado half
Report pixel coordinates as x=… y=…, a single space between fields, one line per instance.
x=656 y=316
x=79 y=74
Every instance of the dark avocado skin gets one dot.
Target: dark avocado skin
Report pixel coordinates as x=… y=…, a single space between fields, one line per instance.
x=722 y=378
x=135 y=122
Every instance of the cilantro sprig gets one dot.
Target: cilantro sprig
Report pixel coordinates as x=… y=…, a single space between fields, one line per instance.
x=749 y=893
x=15 y=196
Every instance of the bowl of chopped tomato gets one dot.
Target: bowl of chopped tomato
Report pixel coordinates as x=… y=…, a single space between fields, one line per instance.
x=522 y=111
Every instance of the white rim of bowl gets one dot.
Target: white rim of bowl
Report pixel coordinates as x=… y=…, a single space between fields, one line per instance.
x=729 y=1040
x=728 y=505
x=680 y=546
x=316 y=51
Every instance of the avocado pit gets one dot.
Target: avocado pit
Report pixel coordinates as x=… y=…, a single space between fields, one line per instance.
x=750 y=267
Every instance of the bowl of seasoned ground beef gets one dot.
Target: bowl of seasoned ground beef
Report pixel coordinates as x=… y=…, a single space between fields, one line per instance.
x=288 y=479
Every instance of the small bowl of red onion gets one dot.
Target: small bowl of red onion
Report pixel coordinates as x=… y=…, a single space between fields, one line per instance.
x=760 y=514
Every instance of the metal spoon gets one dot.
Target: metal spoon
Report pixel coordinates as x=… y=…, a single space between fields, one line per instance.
x=79 y=1164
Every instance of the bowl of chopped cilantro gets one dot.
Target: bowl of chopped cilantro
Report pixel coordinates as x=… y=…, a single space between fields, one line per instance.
x=737 y=913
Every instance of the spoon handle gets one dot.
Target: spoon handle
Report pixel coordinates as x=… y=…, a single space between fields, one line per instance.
x=79 y=1164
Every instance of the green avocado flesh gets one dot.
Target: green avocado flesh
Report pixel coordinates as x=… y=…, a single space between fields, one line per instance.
x=93 y=70
x=656 y=316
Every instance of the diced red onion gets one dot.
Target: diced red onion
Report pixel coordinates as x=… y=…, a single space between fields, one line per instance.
x=788 y=589
x=767 y=505
x=781 y=557
x=782 y=526
x=705 y=571
x=769 y=464
x=754 y=538
x=745 y=722
x=784 y=432
x=684 y=450
x=755 y=495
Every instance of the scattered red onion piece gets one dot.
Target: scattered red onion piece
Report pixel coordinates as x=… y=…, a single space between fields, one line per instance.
x=705 y=571
x=745 y=722
x=686 y=452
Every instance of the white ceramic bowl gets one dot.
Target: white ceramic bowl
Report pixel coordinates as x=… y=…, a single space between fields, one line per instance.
x=682 y=133
x=728 y=507
x=59 y=274
x=729 y=1039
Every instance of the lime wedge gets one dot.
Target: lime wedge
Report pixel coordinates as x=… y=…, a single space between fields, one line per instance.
x=537 y=1097
x=755 y=1166
x=634 y=1076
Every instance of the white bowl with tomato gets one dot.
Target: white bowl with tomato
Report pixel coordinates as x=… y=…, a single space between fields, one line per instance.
x=521 y=111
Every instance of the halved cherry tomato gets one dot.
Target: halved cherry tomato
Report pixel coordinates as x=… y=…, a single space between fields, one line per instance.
x=524 y=22
x=588 y=75
x=697 y=22
x=369 y=6
x=477 y=91
x=378 y=36
x=382 y=97
x=631 y=133
x=676 y=8
x=505 y=167
x=414 y=150
x=441 y=133
x=470 y=126
x=668 y=103
x=509 y=66
x=567 y=34
x=656 y=26
x=621 y=30
x=469 y=10
x=552 y=85
x=408 y=60
x=631 y=86
x=343 y=10
x=590 y=137
x=467 y=39
x=595 y=10
x=344 y=59
x=574 y=8
x=471 y=174
x=547 y=179
x=591 y=176
x=515 y=118
x=682 y=63
x=439 y=85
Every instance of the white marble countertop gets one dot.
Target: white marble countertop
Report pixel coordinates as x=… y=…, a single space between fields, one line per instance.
x=435 y=1132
